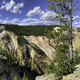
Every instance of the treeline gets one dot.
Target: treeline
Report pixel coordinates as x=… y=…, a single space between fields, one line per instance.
x=36 y=30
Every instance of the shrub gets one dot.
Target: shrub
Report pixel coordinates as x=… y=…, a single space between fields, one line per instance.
x=16 y=78
x=24 y=77
x=21 y=41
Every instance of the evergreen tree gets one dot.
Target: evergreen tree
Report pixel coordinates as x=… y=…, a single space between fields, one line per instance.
x=62 y=8
x=61 y=39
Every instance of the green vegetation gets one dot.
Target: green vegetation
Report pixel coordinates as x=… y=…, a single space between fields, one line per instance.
x=63 y=64
x=21 y=41
x=10 y=57
x=24 y=77
x=16 y=78
x=36 y=30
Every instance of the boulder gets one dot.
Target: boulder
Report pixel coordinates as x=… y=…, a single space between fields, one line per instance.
x=46 y=77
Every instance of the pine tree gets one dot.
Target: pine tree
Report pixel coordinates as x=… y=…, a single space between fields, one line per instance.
x=64 y=64
x=62 y=8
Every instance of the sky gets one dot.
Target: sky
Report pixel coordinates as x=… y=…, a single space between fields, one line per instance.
x=30 y=12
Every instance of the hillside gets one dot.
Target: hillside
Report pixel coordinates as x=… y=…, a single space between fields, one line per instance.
x=36 y=30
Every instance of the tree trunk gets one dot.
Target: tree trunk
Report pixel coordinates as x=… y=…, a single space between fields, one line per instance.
x=70 y=30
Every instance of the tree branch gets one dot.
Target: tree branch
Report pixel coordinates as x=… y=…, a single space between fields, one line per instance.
x=76 y=3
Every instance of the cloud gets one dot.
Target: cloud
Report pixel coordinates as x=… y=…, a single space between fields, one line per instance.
x=75 y=17
x=12 y=6
x=52 y=22
x=78 y=26
x=36 y=23
x=8 y=5
x=6 y=22
x=0 y=15
x=1 y=21
x=30 y=20
x=36 y=10
x=48 y=16
x=20 y=12
x=17 y=7
x=6 y=18
x=3 y=2
x=76 y=23
x=15 y=20
x=41 y=13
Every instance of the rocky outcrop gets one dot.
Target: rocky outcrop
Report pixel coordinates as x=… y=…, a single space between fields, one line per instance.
x=46 y=77
x=37 y=53
x=73 y=76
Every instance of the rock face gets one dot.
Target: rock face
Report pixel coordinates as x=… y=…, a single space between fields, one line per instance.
x=38 y=53
x=45 y=77
x=8 y=40
x=77 y=69
x=43 y=45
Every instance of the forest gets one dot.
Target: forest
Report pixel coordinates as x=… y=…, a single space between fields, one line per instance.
x=37 y=30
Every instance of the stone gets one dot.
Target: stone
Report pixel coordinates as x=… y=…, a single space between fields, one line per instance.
x=46 y=77
x=77 y=69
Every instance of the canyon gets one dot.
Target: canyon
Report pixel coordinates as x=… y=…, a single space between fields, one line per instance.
x=36 y=53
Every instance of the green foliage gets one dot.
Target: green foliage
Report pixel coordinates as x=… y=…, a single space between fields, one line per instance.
x=36 y=30
x=21 y=41
x=76 y=57
x=63 y=64
x=10 y=57
x=16 y=78
x=24 y=77
x=61 y=8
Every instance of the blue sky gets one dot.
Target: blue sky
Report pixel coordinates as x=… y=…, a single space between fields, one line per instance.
x=30 y=12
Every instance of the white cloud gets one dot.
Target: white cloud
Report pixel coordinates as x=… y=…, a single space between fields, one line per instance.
x=17 y=7
x=41 y=13
x=0 y=15
x=48 y=16
x=52 y=22
x=78 y=26
x=1 y=21
x=6 y=22
x=20 y=12
x=12 y=6
x=75 y=17
x=15 y=20
x=6 y=18
x=8 y=5
x=25 y=24
x=36 y=23
x=29 y=20
x=76 y=23
x=36 y=10
x=3 y=2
